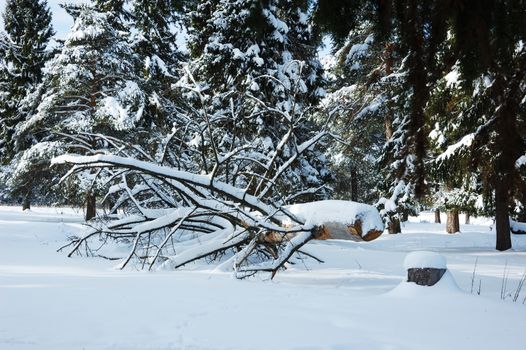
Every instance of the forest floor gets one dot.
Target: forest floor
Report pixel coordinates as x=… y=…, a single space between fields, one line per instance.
x=357 y=299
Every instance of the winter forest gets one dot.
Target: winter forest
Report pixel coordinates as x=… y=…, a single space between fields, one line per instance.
x=284 y=143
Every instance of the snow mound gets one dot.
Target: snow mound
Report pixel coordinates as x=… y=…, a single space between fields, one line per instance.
x=423 y=259
x=338 y=211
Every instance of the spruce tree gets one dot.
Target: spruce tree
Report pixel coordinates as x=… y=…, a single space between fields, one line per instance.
x=402 y=87
x=159 y=58
x=488 y=42
x=264 y=53
x=89 y=87
x=358 y=99
x=23 y=53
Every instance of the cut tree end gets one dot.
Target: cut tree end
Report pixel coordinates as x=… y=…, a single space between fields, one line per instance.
x=425 y=268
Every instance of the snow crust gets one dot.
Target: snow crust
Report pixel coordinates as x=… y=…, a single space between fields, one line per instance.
x=423 y=259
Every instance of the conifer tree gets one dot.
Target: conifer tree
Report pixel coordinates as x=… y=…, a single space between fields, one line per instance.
x=23 y=53
x=488 y=42
x=159 y=58
x=401 y=161
x=358 y=97
x=90 y=87
x=248 y=48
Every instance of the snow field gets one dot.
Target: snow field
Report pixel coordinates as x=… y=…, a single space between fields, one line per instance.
x=357 y=299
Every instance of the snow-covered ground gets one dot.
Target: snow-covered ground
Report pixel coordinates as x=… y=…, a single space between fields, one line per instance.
x=355 y=300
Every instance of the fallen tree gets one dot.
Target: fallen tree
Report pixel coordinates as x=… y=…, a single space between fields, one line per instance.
x=211 y=191
x=217 y=217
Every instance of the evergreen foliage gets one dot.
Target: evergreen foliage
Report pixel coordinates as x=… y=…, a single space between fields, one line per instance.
x=486 y=39
x=23 y=53
x=358 y=100
x=159 y=59
x=89 y=87
x=249 y=50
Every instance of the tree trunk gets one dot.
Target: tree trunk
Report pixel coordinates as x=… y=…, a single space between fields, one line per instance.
x=468 y=217
x=394 y=225
x=502 y=217
x=509 y=147
x=26 y=202
x=354 y=185
x=388 y=119
x=405 y=216
x=452 y=224
x=417 y=78
x=437 y=216
x=91 y=206
x=426 y=276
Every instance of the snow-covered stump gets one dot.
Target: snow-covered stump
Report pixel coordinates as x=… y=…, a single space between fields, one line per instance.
x=425 y=268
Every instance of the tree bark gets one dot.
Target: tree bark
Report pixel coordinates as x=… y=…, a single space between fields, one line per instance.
x=26 y=202
x=452 y=224
x=394 y=225
x=502 y=217
x=468 y=217
x=354 y=185
x=417 y=78
x=426 y=276
x=388 y=119
x=91 y=206
x=437 y=216
x=510 y=143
